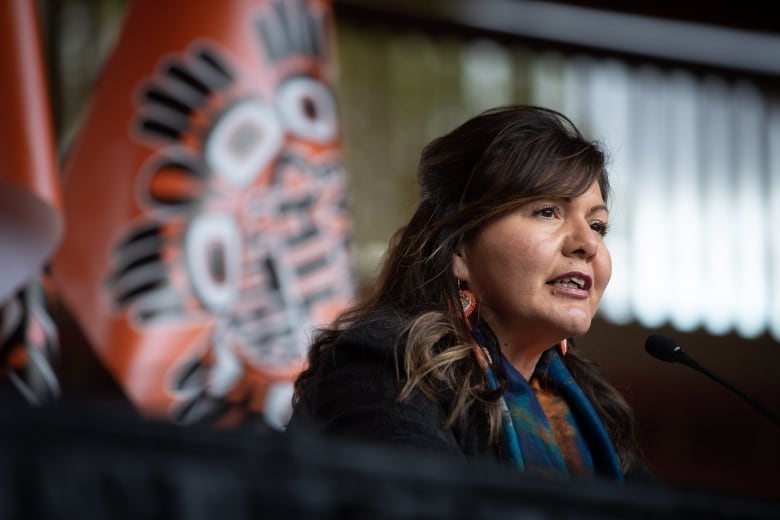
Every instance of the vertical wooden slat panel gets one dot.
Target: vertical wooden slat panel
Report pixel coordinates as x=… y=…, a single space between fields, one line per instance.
x=683 y=286
x=719 y=233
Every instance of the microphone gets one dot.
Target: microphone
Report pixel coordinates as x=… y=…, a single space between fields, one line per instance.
x=667 y=349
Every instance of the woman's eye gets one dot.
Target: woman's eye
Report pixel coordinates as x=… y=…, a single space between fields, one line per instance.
x=599 y=227
x=546 y=212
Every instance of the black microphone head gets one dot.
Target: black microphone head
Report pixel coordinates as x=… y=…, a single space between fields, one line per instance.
x=663 y=348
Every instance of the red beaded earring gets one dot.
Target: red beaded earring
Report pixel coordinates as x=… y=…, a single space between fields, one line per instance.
x=468 y=301
x=564 y=346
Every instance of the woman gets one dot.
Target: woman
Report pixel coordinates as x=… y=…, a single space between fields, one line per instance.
x=464 y=344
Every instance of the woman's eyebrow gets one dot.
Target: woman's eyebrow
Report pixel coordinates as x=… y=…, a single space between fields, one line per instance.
x=594 y=209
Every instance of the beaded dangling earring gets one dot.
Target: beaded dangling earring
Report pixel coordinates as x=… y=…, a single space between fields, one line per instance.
x=564 y=346
x=468 y=301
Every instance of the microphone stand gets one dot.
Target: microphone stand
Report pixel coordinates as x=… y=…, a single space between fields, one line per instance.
x=683 y=358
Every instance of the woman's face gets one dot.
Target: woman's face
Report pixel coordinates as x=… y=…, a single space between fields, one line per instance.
x=539 y=272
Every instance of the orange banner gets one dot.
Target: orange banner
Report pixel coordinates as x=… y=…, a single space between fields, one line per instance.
x=30 y=221
x=205 y=200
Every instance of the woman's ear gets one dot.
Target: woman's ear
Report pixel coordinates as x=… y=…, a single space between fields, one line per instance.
x=460 y=266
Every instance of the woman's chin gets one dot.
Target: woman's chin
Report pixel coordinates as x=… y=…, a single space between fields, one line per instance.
x=578 y=327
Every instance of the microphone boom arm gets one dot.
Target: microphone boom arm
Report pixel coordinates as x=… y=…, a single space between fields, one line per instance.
x=684 y=359
x=667 y=349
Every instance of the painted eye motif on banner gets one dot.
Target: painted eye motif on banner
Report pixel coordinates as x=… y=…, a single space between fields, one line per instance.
x=243 y=141
x=212 y=249
x=308 y=109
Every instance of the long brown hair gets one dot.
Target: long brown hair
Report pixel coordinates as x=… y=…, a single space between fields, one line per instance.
x=478 y=172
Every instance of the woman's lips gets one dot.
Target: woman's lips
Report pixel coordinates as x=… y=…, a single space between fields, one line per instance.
x=573 y=282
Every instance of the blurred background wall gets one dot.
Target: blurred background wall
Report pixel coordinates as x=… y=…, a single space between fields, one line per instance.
x=686 y=101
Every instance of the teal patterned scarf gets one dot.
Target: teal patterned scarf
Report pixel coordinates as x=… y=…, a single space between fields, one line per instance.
x=528 y=438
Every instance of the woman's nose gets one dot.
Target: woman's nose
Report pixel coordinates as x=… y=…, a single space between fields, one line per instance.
x=581 y=240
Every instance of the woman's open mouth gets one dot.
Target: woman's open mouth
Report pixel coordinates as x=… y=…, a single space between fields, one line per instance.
x=579 y=281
